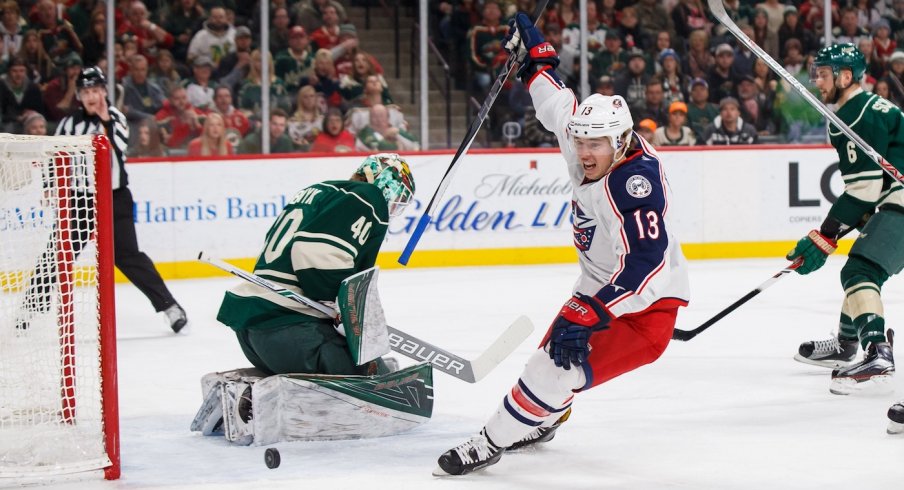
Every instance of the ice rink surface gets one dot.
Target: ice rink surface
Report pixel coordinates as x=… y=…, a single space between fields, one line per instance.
x=728 y=410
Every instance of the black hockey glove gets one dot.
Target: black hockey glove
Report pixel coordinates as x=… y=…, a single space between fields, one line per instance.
x=579 y=317
x=527 y=44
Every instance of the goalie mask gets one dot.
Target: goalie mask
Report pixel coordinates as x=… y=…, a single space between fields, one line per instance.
x=392 y=175
x=602 y=118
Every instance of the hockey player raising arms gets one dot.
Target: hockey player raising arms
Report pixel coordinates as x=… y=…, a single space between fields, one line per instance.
x=877 y=253
x=633 y=276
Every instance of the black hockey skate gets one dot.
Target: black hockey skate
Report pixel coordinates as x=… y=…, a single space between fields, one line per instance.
x=540 y=434
x=176 y=317
x=873 y=373
x=896 y=419
x=831 y=353
x=476 y=454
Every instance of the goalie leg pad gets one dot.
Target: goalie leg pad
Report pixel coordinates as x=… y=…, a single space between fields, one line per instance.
x=209 y=419
x=541 y=395
x=301 y=407
x=236 y=397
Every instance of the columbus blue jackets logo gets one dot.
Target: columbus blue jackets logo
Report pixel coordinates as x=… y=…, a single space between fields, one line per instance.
x=583 y=234
x=638 y=186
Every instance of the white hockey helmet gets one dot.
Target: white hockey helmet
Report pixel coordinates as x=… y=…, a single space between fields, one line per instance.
x=603 y=116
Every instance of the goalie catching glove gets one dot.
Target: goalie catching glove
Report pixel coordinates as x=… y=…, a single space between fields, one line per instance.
x=578 y=319
x=812 y=251
x=526 y=43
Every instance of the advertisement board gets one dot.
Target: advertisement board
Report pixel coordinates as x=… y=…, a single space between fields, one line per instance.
x=502 y=207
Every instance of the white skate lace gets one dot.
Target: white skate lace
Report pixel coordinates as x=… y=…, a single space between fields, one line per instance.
x=826 y=346
x=476 y=449
x=534 y=434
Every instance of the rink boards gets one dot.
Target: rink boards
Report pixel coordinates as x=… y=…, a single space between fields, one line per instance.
x=502 y=207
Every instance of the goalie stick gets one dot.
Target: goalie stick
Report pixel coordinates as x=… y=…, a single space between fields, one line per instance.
x=456 y=366
x=425 y=218
x=718 y=11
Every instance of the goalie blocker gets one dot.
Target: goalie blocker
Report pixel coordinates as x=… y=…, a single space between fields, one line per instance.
x=249 y=409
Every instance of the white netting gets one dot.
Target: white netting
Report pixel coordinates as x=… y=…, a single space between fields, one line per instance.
x=50 y=382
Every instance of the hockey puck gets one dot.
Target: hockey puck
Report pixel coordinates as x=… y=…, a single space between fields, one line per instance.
x=271 y=458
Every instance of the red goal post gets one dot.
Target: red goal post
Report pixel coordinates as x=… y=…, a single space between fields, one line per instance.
x=59 y=410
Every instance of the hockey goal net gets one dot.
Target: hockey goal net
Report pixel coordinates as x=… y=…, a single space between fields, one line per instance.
x=58 y=399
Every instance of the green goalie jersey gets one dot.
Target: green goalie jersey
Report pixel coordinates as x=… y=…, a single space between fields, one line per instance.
x=866 y=186
x=326 y=233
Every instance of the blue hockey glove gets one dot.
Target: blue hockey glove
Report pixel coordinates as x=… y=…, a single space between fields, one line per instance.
x=579 y=317
x=812 y=250
x=527 y=44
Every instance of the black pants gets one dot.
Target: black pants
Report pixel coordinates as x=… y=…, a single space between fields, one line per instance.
x=131 y=261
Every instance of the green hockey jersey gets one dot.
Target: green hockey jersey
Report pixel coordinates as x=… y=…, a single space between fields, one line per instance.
x=866 y=186
x=326 y=233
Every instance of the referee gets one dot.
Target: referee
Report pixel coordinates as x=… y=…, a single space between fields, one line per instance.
x=97 y=117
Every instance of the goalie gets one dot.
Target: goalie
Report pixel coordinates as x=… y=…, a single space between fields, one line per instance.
x=326 y=233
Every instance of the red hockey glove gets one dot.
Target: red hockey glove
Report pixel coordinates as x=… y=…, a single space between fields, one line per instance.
x=579 y=317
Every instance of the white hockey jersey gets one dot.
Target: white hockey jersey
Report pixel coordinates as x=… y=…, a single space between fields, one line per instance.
x=629 y=256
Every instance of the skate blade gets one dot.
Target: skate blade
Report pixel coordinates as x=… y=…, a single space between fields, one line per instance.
x=877 y=385
x=438 y=471
x=894 y=428
x=825 y=364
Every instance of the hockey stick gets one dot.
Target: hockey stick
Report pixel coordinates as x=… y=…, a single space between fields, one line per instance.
x=425 y=219
x=471 y=371
x=685 y=335
x=718 y=10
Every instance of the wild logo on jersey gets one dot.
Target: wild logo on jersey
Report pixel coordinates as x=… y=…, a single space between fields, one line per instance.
x=583 y=234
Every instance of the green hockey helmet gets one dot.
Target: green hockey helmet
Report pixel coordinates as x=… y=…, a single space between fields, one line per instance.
x=840 y=56
x=392 y=175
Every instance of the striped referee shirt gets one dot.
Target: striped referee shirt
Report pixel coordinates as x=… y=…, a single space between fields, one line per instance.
x=117 y=130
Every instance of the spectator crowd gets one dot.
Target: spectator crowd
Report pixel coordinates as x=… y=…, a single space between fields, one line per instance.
x=685 y=78
x=189 y=76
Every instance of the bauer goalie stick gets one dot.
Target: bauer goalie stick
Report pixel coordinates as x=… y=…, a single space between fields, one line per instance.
x=425 y=218
x=718 y=10
x=685 y=335
x=456 y=366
